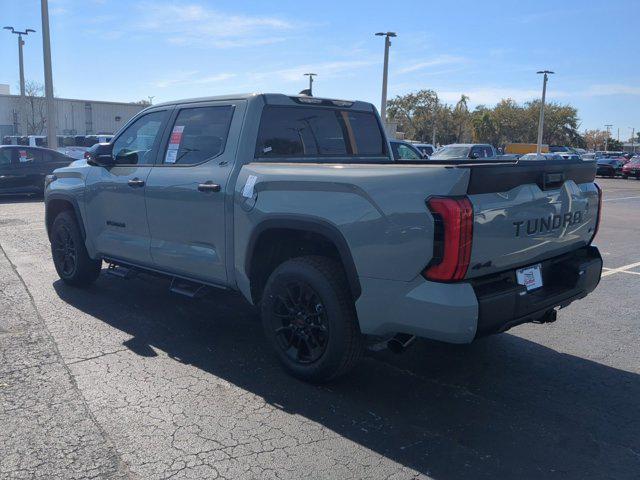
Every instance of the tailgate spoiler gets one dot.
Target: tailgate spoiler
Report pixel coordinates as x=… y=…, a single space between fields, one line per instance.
x=547 y=174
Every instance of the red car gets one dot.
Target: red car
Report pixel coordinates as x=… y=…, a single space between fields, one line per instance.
x=632 y=169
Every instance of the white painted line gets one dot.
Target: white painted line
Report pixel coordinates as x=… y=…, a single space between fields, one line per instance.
x=624 y=268
x=620 y=198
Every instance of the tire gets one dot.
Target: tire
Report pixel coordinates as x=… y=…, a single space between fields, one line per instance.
x=626 y=177
x=70 y=257
x=309 y=319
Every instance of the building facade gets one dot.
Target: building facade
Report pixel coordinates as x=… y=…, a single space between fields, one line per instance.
x=26 y=116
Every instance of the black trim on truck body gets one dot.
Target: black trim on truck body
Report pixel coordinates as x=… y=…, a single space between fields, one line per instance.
x=76 y=210
x=308 y=224
x=503 y=303
x=547 y=174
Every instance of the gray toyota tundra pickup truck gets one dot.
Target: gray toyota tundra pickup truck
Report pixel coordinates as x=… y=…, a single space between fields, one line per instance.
x=297 y=203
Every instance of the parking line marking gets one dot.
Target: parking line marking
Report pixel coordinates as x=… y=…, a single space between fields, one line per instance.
x=611 y=271
x=620 y=198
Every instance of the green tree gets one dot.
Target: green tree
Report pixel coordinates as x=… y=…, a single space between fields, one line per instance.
x=415 y=113
x=613 y=144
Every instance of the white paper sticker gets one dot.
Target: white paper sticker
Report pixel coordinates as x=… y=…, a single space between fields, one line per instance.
x=247 y=191
x=172 y=155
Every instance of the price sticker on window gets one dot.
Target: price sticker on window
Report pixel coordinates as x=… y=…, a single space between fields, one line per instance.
x=174 y=144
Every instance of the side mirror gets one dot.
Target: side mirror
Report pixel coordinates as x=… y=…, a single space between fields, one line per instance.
x=101 y=155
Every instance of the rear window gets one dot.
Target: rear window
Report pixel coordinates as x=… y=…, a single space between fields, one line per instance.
x=318 y=132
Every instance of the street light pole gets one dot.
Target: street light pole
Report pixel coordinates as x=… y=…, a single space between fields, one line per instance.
x=385 y=73
x=48 y=77
x=20 y=56
x=633 y=134
x=311 y=75
x=545 y=78
x=606 y=140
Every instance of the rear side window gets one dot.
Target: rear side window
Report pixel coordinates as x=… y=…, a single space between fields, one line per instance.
x=318 y=132
x=198 y=134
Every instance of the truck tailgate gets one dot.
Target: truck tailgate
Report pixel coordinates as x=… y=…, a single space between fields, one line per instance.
x=530 y=211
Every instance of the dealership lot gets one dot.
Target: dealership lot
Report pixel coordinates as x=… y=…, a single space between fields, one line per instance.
x=126 y=380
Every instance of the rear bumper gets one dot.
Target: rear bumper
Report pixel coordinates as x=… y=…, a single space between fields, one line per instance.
x=503 y=304
x=460 y=312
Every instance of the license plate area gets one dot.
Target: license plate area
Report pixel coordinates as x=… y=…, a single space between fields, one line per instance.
x=530 y=277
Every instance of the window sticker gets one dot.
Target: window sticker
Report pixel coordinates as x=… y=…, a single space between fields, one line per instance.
x=174 y=144
x=23 y=156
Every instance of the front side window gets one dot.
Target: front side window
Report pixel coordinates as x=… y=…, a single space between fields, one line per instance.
x=318 y=132
x=135 y=145
x=198 y=134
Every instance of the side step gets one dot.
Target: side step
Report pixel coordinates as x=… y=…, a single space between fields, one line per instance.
x=120 y=272
x=187 y=288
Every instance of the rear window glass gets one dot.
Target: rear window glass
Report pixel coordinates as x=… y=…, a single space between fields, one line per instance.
x=318 y=132
x=198 y=134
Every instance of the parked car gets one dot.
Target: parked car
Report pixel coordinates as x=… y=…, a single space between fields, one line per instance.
x=472 y=151
x=609 y=167
x=23 y=169
x=426 y=148
x=406 y=151
x=569 y=156
x=588 y=156
x=561 y=149
x=632 y=169
x=546 y=156
x=296 y=203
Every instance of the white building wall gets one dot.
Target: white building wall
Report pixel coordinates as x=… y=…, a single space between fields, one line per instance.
x=79 y=117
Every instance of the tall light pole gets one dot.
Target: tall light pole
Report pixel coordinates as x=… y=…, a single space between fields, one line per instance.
x=311 y=75
x=546 y=74
x=48 y=77
x=633 y=134
x=385 y=72
x=20 y=56
x=606 y=140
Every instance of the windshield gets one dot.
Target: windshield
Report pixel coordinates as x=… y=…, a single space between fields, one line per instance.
x=452 y=152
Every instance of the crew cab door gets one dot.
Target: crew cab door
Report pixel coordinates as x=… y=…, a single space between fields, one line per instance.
x=186 y=190
x=115 y=195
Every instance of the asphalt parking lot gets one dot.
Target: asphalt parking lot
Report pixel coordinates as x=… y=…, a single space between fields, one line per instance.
x=126 y=380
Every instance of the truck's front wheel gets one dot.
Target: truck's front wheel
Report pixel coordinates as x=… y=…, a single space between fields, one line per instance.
x=70 y=256
x=309 y=317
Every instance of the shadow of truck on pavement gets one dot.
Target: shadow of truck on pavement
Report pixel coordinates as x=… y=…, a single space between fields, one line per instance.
x=503 y=407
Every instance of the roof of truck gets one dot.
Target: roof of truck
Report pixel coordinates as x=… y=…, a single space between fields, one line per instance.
x=271 y=98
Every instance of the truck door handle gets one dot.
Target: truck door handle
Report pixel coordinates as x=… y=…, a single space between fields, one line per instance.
x=208 y=187
x=136 y=182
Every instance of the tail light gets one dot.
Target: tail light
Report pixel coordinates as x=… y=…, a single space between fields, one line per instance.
x=597 y=227
x=452 y=239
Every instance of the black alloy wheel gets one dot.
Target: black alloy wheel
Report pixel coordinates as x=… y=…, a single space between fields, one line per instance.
x=299 y=321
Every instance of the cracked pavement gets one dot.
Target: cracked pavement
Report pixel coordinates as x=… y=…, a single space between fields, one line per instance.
x=126 y=380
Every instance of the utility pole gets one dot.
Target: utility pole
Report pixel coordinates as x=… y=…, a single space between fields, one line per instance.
x=606 y=140
x=385 y=73
x=545 y=78
x=151 y=97
x=633 y=134
x=311 y=75
x=20 y=56
x=52 y=141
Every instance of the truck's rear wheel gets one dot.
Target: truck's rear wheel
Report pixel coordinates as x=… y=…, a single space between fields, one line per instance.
x=309 y=318
x=70 y=257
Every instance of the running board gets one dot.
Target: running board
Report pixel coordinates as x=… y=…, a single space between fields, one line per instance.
x=120 y=272
x=187 y=288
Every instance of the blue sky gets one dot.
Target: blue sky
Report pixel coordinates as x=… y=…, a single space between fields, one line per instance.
x=126 y=50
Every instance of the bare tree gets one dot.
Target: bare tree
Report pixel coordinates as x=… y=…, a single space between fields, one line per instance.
x=33 y=108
